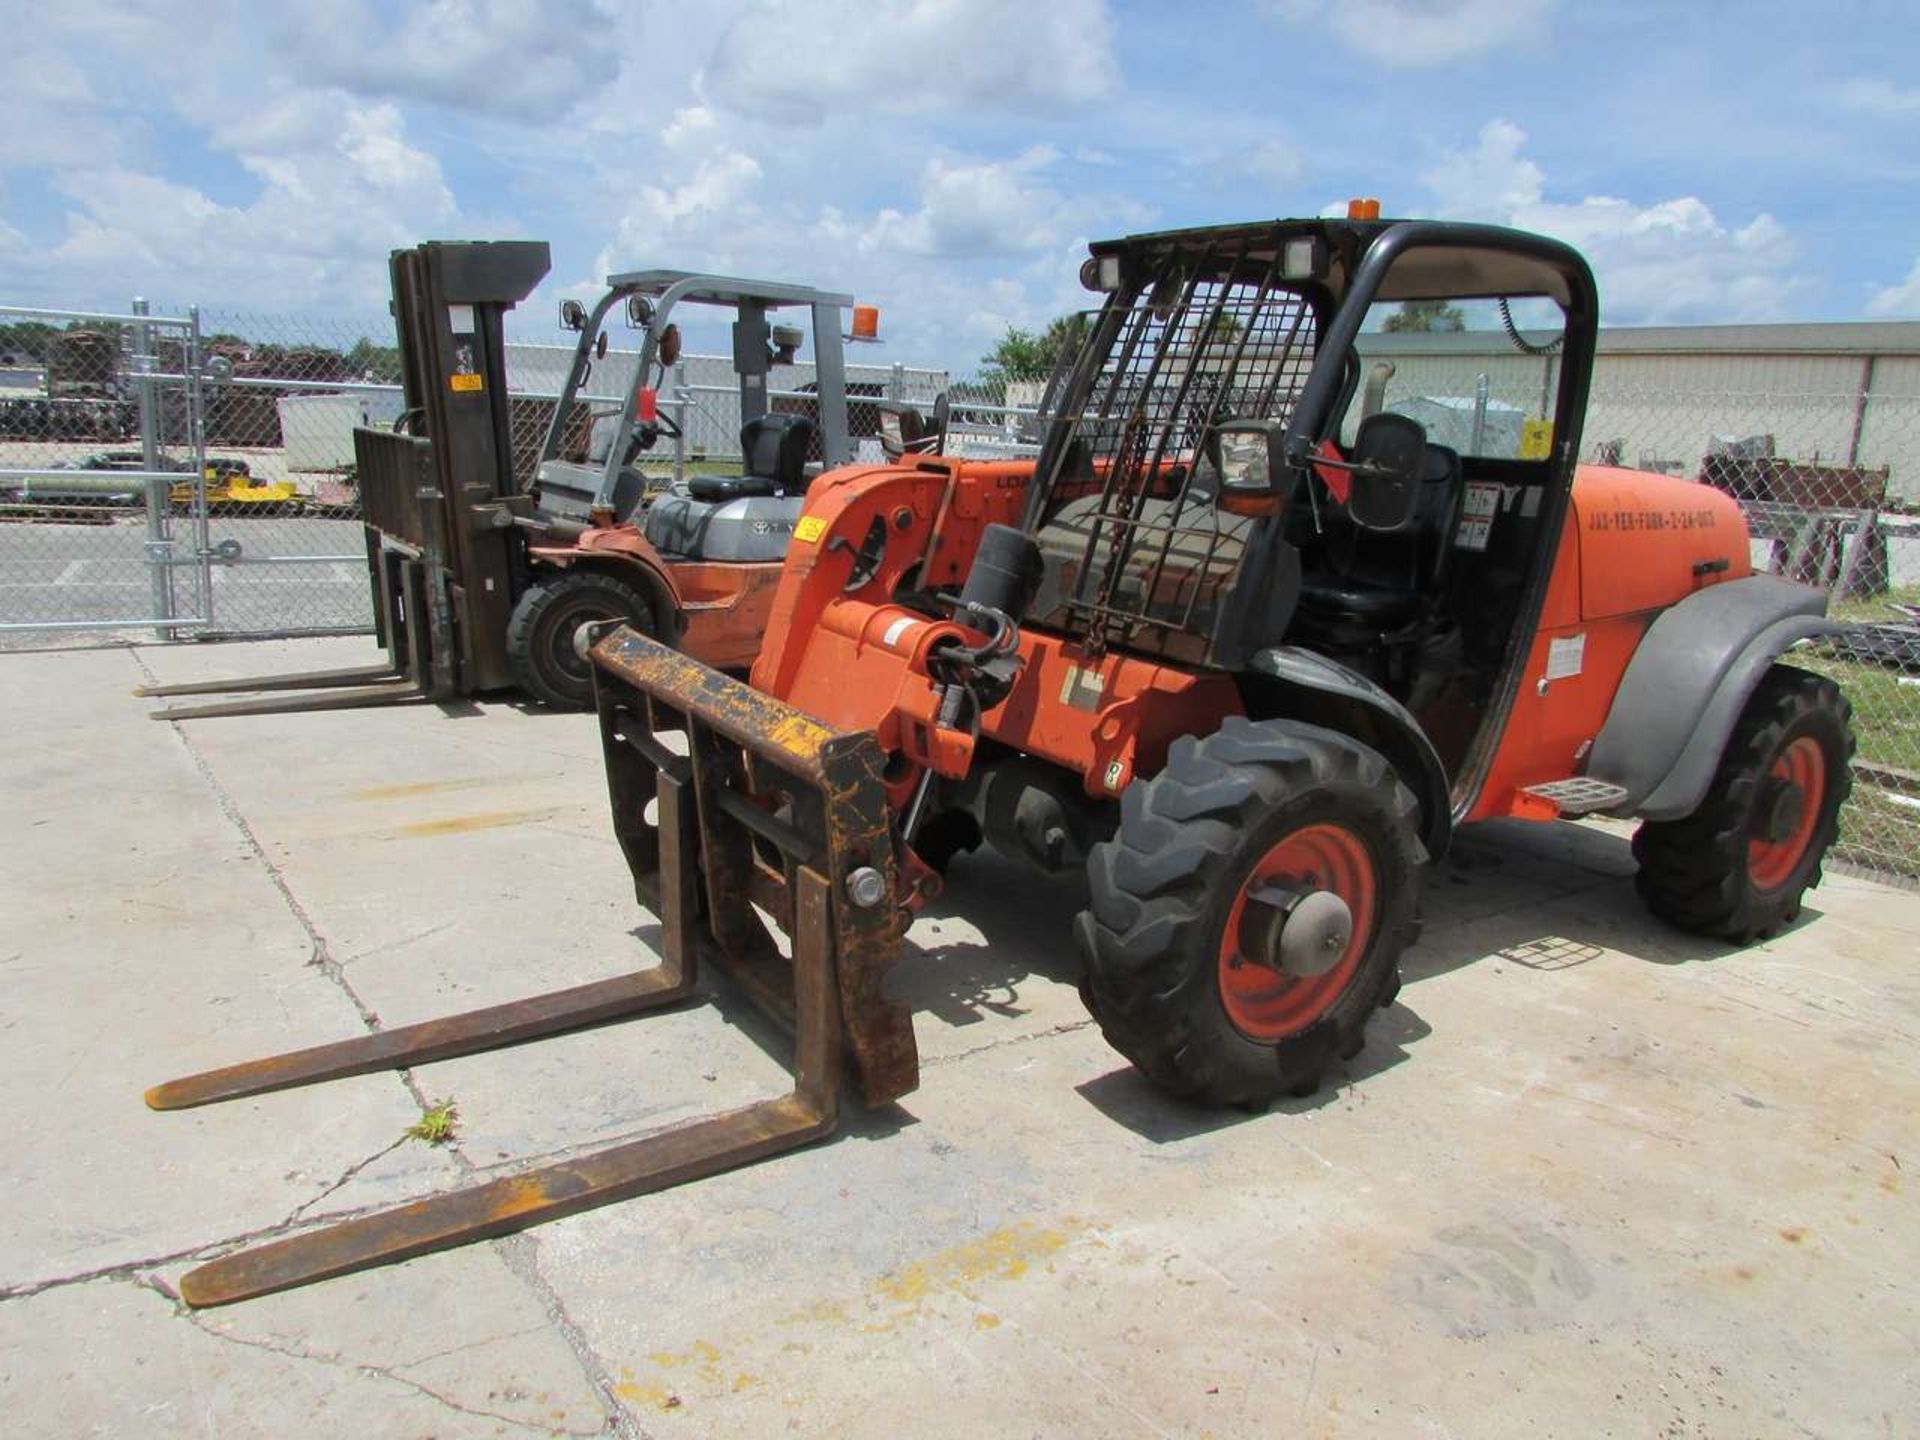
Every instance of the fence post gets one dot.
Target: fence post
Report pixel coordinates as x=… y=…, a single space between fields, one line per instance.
x=197 y=443
x=159 y=545
x=897 y=383
x=679 y=422
x=1861 y=399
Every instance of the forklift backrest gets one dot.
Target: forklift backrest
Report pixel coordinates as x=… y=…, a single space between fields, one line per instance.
x=775 y=447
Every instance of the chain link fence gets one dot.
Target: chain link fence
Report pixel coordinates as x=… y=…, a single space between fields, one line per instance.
x=99 y=435
x=194 y=475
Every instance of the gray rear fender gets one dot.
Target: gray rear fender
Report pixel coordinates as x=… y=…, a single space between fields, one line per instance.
x=1687 y=684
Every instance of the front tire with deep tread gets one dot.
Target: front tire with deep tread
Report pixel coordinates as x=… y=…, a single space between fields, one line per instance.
x=540 y=633
x=1695 y=871
x=1163 y=890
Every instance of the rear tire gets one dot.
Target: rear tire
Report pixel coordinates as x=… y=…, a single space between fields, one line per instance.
x=1737 y=867
x=1257 y=803
x=540 y=634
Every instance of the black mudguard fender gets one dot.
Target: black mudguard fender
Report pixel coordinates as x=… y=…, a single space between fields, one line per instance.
x=1687 y=683
x=1285 y=681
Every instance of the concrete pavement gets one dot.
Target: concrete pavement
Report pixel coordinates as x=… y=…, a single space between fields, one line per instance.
x=1588 y=1177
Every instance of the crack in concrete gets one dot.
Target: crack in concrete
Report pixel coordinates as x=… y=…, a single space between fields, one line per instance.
x=433 y=1355
x=1066 y=1027
x=367 y=1368
x=521 y=1255
x=134 y=1269
x=617 y=1420
x=299 y=1212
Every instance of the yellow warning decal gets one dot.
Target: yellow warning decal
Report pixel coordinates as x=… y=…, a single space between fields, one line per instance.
x=1536 y=439
x=810 y=528
x=464 y=382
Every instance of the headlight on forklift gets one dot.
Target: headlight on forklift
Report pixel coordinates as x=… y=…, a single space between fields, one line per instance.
x=1100 y=272
x=1303 y=259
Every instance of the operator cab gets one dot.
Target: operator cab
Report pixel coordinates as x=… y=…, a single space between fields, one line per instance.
x=1353 y=438
x=744 y=516
x=1426 y=608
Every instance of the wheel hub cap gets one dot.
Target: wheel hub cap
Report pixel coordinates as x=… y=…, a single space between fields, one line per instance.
x=583 y=636
x=1786 y=813
x=1295 y=933
x=1782 y=808
x=1298 y=930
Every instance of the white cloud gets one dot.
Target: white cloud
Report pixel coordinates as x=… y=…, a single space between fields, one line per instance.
x=54 y=114
x=790 y=61
x=1898 y=302
x=1870 y=95
x=1422 y=34
x=1273 y=162
x=1492 y=177
x=1669 y=262
x=316 y=233
x=976 y=208
x=489 y=56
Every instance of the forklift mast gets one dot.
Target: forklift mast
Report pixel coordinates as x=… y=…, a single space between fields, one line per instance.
x=445 y=561
x=448 y=301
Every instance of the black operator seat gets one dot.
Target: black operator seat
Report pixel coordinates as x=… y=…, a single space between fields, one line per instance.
x=775 y=451
x=1379 y=579
x=746 y=518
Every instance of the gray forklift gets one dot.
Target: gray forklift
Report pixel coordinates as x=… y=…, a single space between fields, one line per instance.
x=483 y=582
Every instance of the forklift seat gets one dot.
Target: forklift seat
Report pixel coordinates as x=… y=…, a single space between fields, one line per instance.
x=747 y=518
x=1378 y=580
x=774 y=448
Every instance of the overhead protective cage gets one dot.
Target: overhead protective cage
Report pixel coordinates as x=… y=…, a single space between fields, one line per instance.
x=1210 y=334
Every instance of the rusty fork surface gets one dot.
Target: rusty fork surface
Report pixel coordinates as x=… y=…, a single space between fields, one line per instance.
x=515 y=1202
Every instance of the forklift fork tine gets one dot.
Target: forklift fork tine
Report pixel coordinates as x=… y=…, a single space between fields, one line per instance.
x=395 y=690
x=516 y=1202
x=491 y=1027
x=299 y=680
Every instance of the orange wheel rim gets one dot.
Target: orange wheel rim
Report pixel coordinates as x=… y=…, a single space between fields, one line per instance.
x=1800 y=771
x=1265 y=1004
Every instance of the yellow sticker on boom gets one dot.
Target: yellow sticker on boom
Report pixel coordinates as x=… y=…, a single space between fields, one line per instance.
x=464 y=382
x=810 y=528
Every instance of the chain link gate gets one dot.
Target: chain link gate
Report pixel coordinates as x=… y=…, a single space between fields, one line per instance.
x=102 y=440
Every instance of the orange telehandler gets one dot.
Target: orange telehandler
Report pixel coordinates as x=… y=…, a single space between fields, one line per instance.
x=1245 y=643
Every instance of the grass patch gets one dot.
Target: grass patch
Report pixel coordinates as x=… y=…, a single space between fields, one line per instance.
x=438 y=1123
x=1872 y=609
x=662 y=470
x=1886 y=712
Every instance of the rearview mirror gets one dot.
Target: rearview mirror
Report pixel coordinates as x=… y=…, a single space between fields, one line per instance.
x=639 y=312
x=573 y=315
x=1389 y=454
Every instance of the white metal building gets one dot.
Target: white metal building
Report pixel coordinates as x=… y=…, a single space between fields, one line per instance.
x=1845 y=394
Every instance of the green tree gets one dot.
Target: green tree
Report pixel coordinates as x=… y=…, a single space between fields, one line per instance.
x=1426 y=316
x=27 y=337
x=377 y=362
x=1023 y=355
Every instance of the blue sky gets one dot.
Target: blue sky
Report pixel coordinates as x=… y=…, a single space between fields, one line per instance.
x=1717 y=161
